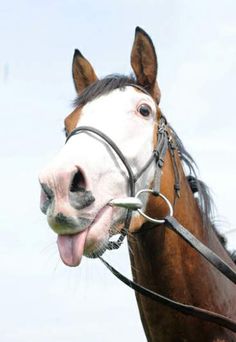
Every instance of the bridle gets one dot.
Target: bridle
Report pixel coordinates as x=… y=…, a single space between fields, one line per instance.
x=164 y=142
x=157 y=156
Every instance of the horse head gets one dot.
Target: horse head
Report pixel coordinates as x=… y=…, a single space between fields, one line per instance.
x=86 y=175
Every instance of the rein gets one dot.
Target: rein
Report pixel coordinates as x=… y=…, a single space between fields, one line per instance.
x=164 y=142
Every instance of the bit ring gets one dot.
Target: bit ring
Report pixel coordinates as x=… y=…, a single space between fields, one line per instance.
x=151 y=219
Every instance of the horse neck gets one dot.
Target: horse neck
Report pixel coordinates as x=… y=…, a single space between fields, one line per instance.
x=164 y=263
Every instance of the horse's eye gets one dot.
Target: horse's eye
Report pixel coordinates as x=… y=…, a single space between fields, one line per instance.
x=144 y=110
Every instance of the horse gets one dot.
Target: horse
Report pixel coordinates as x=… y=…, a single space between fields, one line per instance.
x=104 y=183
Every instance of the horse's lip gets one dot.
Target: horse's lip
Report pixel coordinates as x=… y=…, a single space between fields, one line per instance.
x=99 y=214
x=73 y=246
x=93 y=220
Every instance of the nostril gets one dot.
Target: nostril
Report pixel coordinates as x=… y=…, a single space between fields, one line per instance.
x=78 y=182
x=47 y=191
x=80 y=197
x=46 y=198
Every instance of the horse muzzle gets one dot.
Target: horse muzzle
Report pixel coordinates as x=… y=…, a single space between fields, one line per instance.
x=63 y=196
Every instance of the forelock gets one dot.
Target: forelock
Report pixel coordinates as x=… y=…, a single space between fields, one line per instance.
x=104 y=86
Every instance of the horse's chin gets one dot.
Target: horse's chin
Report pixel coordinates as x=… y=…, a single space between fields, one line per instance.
x=91 y=242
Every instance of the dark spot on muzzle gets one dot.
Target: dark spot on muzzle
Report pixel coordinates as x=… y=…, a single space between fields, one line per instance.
x=46 y=197
x=70 y=222
x=81 y=199
x=64 y=220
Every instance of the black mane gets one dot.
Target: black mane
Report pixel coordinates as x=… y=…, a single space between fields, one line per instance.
x=104 y=86
x=201 y=192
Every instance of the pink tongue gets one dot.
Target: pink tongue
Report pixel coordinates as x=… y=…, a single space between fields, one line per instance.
x=71 y=247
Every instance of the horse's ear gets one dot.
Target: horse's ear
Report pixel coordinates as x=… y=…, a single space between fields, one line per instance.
x=144 y=63
x=82 y=71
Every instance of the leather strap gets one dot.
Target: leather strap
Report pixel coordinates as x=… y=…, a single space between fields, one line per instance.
x=160 y=153
x=185 y=309
x=208 y=254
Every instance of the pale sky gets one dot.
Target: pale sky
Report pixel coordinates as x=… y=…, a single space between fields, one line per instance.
x=41 y=299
